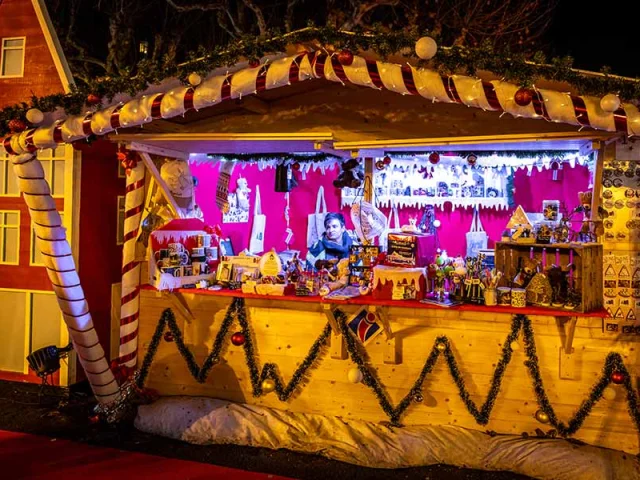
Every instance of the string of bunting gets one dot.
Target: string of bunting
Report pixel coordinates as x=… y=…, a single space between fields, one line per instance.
x=511 y=66
x=613 y=368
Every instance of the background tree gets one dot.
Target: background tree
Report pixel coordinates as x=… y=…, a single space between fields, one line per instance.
x=111 y=37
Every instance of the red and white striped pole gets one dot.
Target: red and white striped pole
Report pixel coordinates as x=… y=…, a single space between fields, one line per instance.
x=130 y=300
x=58 y=260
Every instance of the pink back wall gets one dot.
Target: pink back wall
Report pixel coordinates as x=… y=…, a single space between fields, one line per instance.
x=530 y=192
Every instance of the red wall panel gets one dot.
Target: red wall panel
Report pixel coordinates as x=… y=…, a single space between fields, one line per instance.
x=18 y=19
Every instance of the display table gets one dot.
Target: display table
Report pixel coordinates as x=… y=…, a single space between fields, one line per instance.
x=466 y=346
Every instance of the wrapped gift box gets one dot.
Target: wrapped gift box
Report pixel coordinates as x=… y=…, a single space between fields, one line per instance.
x=410 y=249
x=399 y=283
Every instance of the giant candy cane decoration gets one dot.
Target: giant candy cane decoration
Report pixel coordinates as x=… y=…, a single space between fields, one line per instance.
x=61 y=269
x=130 y=302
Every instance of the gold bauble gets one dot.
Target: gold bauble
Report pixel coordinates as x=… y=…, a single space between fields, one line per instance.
x=441 y=347
x=268 y=386
x=542 y=417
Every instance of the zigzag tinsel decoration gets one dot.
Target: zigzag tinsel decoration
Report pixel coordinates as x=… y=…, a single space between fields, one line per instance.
x=357 y=353
x=236 y=311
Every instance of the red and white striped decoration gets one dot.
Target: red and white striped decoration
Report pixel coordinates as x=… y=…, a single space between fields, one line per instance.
x=551 y=105
x=130 y=301
x=58 y=260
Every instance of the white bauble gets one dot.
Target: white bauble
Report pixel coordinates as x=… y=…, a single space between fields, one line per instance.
x=35 y=116
x=195 y=79
x=609 y=393
x=426 y=48
x=610 y=103
x=355 y=375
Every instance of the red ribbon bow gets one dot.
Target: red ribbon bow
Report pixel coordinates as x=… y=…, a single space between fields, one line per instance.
x=128 y=159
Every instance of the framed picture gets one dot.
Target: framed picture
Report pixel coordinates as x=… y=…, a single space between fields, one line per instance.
x=362 y=259
x=226 y=248
x=223 y=274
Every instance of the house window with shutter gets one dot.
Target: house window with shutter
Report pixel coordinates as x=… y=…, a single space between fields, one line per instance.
x=12 y=57
x=9 y=237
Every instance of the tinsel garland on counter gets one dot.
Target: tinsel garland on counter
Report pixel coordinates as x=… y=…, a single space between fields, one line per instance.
x=236 y=311
x=357 y=353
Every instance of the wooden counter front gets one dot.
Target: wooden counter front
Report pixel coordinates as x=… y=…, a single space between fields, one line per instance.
x=284 y=329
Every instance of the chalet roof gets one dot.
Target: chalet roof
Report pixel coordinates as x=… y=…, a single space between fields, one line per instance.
x=171 y=100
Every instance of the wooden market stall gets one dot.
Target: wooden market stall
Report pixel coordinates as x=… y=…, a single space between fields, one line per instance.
x=559 y=362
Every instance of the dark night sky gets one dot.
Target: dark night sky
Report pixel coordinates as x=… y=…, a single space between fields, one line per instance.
x=597 y=34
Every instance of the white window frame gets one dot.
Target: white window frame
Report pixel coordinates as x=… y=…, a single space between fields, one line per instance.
x=2 y=50
x=2 y=241
x=34 y=244
x=64 y=333
x=49 y=172
x=120 y=226
x=5 y=163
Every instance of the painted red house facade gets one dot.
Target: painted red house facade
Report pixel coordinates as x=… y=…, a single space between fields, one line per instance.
x=32 y=63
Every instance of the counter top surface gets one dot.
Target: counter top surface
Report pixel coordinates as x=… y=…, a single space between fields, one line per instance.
x=369 y=300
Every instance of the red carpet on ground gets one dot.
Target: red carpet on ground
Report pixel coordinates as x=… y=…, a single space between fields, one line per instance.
x=35 y=457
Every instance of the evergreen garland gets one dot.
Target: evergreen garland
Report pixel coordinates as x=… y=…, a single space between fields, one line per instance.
x=357 y=353
x=456 y=59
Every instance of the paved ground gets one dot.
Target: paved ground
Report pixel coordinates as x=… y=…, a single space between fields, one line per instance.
x=22 y=410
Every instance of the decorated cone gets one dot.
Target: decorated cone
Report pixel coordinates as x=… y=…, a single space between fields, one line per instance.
x=61 y=269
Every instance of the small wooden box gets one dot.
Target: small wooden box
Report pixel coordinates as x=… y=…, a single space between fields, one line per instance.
x=587 y=257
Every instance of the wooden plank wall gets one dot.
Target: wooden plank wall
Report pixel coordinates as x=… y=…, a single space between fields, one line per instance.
x=284 y=332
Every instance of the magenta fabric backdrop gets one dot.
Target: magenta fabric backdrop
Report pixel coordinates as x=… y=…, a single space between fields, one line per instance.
x=530 y=192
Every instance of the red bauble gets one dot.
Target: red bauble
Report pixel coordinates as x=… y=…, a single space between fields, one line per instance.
x=254 y=63
x=93 y=99
x=345 y=57
x=472 y=159
x=94 y=419
x=16 y=125
x=618 y=377
x=168 y=337
x=523 y=97
x=295 y=166
x=380 y=165
x=434 y=157
x=238 y=339
x=386 y=160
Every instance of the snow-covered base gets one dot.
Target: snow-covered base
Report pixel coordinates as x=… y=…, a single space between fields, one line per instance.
x=211 y=421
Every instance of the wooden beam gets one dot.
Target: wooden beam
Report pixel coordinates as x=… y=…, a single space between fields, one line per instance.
x=164 y=188
x=165 y=152
x=254 y=105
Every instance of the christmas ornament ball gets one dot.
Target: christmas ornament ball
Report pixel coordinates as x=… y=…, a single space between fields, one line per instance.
x=514 y=346
x=441 y=347
x=354 y=375
x=418 y=398
x=437 y=223
x=617 y=378
x=523 y=97
x=268 y=385
x=386 y=160
x=93 y=99
x=345 y=57
x=194 y=79
x=426 y=48
x=434 y=158
x=16 y=125
x=295 y=166
x=472 y=159
x=610 y=103
x=542 y=417
x=238 y=339
x=168 y=337
x=380 y=165
x=609 y=393
x=35 y=116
